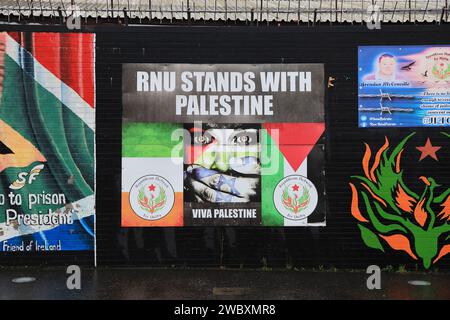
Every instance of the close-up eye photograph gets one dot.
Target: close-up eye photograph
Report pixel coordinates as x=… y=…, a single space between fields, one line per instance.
x=222 y=165
x=203 y=159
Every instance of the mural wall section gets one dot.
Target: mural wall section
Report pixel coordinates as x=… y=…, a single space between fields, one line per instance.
x=47 y=119
x=374 y=144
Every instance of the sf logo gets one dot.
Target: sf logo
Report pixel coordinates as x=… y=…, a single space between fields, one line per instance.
x=26 y=178
x=22 y=153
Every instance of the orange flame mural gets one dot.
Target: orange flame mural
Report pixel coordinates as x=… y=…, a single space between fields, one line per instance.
x=390 y=215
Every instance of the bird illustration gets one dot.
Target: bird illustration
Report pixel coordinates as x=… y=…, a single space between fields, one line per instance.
x=418 y=207
x=408 y=66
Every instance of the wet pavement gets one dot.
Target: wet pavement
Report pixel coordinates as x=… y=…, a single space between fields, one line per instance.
x=145 y=283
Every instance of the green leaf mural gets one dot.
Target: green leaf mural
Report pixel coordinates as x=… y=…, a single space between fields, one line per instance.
x=370 y=238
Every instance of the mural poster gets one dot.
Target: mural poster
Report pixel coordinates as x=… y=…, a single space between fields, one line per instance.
x=401 y=196
x=47 y=136
x=225 y=144
x=407 y=86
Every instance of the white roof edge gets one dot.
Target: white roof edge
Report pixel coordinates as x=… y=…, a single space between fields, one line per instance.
x=272 y=10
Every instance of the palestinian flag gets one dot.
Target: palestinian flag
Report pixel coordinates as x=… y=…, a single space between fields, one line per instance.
x=292 y=188
x=47 y=137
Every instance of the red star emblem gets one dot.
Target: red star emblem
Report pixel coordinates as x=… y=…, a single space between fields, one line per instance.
x=428 y=150
x=295 y=187
x=151 y=187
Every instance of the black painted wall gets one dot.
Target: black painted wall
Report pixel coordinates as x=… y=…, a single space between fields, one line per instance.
x=339 y=243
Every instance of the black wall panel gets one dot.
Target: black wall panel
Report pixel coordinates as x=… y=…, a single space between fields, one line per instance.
x=339 y=243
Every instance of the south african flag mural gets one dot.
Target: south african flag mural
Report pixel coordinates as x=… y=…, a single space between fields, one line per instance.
x=47 y=137
x=245 y=147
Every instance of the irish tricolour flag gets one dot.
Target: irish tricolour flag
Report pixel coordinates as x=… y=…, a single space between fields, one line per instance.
x=152 y=177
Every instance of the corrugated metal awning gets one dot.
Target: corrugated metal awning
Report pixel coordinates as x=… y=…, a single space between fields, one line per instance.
x=269 y=10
